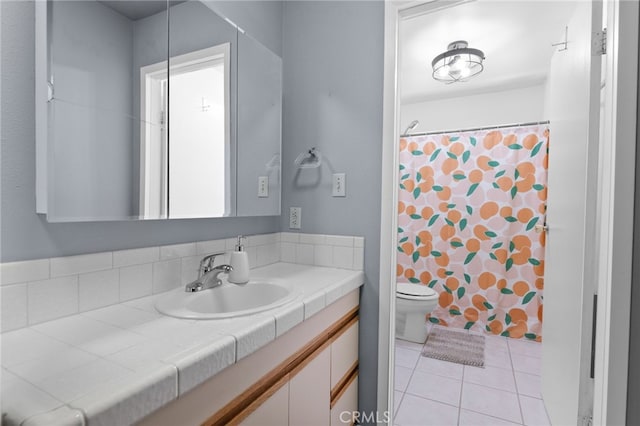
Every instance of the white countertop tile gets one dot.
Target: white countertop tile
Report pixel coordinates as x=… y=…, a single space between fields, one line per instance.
x=251 y=334
x=27 y=344
x=122 y=316
x=143 y=355
x=20 y=399
x=196 y=365
x=64 y=416
x=69 y=385
x=120 y=363
x=177 y=331
x=93 y=336
x=144 y=303
x=313 y=304
x=288 y=317
x=129 y=397
x=57 y=362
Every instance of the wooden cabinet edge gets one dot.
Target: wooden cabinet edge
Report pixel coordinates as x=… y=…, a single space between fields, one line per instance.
x=240 y=407
x=256 y=403
x=344 y=383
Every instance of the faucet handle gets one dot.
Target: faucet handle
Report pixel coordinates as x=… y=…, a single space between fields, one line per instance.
x=206 y=264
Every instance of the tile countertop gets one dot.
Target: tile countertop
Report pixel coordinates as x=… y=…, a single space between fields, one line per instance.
x=117 y=364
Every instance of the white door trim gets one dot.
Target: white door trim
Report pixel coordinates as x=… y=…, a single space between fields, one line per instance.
x=394 y=11
x=617 y=153
x=388 y=222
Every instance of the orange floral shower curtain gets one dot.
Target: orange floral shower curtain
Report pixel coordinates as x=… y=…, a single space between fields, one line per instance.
x=469 y=203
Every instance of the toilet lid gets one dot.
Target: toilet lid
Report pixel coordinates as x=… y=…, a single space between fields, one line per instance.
x=414 y=291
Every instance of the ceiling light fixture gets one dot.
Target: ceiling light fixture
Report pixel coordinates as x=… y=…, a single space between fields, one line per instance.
x=458 y=63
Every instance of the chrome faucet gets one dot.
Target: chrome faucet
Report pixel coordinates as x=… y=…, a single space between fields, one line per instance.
x=208 y=274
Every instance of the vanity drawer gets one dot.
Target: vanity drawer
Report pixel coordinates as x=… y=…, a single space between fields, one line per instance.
x=344 y=354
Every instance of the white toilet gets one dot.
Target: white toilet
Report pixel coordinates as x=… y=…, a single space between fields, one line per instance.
x=413 y=303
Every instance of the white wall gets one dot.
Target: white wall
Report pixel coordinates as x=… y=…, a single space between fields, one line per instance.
x=487 y=109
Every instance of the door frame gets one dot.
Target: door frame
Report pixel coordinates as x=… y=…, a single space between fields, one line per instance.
x=616 y=205
x=614 y=216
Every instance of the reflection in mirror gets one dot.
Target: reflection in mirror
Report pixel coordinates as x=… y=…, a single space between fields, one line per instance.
x=134 y=124
x=95 y=52
x=201 y=49
x=259 y=128
x=193 y=182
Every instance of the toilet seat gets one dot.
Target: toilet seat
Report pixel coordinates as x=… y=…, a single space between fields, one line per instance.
x=415 y=292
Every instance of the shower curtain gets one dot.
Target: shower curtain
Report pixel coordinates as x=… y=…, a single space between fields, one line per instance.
x=469 y=203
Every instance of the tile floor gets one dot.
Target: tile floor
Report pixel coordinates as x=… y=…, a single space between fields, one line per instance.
x=439 y=393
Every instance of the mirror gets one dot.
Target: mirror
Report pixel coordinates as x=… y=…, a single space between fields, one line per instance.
x=259 y=128
x=154 y=110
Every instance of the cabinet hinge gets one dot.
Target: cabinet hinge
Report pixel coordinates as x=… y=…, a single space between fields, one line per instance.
x=599 y=42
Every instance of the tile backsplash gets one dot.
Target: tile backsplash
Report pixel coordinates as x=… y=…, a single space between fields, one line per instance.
x=36 y=291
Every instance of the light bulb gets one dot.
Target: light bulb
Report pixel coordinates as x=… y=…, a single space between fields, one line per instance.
x=457 y=63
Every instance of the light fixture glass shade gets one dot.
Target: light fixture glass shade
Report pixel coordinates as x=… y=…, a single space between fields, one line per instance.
x=458 y=63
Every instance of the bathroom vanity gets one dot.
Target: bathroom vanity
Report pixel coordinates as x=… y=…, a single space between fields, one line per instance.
x=294 y=364
x=307 y=376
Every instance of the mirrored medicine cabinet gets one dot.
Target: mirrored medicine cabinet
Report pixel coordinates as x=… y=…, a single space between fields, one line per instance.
x=153 y=110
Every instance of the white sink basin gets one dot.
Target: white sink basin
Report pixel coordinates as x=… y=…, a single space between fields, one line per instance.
x=225 y=301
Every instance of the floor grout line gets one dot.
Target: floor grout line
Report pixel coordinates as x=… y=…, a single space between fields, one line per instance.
x=513 y=373
x=516 y=392
x=464 y=369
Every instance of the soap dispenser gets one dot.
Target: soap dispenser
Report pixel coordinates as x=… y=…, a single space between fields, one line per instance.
x=240 y=264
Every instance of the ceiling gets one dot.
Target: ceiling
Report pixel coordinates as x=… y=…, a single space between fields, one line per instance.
x=515 y=36
x=138 y=9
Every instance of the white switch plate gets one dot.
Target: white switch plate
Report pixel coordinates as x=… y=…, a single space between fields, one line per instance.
x=339 y=185
x=263 y=186
x=295 y=214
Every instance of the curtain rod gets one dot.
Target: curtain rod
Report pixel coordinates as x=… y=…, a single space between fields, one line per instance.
x=502 y=126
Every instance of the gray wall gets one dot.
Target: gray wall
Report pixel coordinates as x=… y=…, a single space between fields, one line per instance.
x=261 y=19
x=333 y=60
x=24 y=234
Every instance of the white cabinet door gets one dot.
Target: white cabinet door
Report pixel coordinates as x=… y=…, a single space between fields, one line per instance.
x=309 y=393
x=344 y=354
x=274 y=411
x=343 y=410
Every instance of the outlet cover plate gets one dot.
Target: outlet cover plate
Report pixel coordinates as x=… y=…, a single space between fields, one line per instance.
x=295 y=214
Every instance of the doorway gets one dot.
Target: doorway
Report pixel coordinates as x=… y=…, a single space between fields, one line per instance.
x=185 y=140
x=394 y=115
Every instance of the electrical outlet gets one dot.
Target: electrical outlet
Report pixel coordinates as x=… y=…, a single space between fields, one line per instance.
x=263 y=186
x=295 y=217
x=339 y=185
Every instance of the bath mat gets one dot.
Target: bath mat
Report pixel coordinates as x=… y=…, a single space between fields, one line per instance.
x=455 y=346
